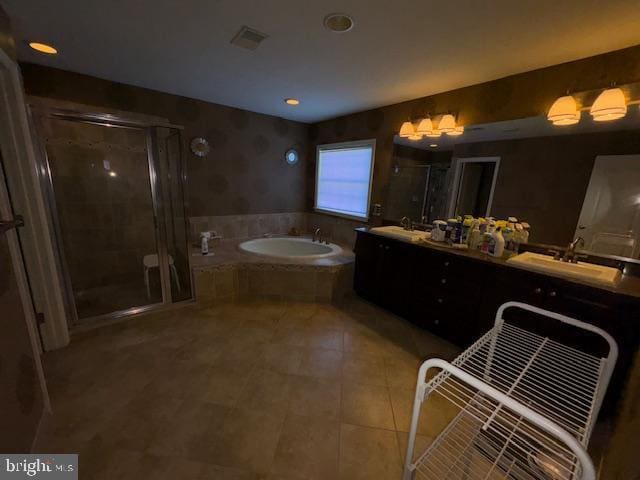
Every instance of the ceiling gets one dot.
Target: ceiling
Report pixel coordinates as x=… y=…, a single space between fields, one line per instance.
x=396 y=51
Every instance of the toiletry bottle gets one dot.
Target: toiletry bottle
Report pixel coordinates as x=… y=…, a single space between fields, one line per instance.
x=467 y=223
x=450 y=234
x=525 y=232
x=475 y=237
x=204 y=242
x=487 y=236
x=483 y=225
x=496 y=243
x=507 y=235
x=517 y=237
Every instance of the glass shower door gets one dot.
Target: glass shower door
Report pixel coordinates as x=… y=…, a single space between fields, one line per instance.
x=106 y=220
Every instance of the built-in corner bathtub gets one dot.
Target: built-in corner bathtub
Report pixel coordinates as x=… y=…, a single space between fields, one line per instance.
x=274 y=268
x=290 y=247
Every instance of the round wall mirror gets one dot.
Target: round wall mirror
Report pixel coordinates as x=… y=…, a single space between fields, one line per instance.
x=291 y=156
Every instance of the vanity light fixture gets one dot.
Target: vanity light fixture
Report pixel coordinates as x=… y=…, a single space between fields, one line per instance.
x=447 y=123
x=407 y=130
x=564 y=111
x=435 y=133
x=425 y=127
x=456 y=132
x=415 y=137
x=610 y=105
x=292 y=101
x=43 y=48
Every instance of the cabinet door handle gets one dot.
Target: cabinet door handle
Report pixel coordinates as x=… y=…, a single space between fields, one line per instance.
x=537 y=291
x=380 y=246
x=552 y=293
x=436 y=322
x=446 y=264
x=443 y=280
x=440 y=300
x=386 y=247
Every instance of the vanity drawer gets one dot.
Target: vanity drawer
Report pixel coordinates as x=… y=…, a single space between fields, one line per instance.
x=445 y=314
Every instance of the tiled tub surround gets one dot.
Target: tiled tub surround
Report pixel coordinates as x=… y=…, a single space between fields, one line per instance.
x=339 y=230
x=231 y=274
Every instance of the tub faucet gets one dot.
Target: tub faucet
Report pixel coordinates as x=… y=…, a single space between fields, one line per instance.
x=317 y=235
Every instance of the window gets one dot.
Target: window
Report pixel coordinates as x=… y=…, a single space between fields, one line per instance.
x=343 y=178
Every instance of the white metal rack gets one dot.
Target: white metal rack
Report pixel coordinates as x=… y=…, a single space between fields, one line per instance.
x=522 y=406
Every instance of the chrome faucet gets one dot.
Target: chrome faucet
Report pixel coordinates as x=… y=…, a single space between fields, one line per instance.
x=406 y=223
x=570 y=254
x=317 y=236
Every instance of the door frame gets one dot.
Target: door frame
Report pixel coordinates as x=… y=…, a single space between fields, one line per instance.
x=12 y=120
x=459 y=163
x=39 y=114
x=22 y=176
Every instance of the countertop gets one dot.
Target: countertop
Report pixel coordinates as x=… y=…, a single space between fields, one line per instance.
x=227 y=252
x=629 y=284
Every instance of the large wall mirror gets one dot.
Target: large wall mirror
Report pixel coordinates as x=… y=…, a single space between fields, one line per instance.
x=566 y=181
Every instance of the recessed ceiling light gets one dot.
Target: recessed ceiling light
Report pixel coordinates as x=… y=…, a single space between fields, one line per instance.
x=433 y=145
x=292 y=101
x=43 y=48
x=338 y=22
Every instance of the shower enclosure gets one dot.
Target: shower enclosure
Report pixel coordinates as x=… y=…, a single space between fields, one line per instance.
x=115 y=190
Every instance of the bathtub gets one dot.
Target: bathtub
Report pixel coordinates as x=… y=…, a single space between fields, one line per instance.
x=289 y=247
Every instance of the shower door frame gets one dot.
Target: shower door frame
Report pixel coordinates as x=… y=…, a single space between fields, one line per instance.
x=39 y=113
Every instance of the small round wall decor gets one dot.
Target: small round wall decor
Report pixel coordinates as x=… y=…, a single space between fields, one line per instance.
x=291 y=156
x=199 y=146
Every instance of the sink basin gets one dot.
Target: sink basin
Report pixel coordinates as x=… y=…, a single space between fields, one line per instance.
x=583 y=271
x=413 y=236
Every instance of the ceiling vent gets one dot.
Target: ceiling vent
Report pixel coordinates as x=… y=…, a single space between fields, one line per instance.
x=248 y=38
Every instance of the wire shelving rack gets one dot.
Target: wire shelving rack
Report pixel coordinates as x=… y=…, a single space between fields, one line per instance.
x=522 y=406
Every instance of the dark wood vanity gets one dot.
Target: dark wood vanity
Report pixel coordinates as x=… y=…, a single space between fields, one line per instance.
x=455 y=294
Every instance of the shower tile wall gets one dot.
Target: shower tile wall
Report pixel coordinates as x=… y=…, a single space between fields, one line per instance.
x=106 y=221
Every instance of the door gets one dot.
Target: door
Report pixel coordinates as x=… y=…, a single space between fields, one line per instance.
x=24 y=393
x=610 y=218
x=105 y=210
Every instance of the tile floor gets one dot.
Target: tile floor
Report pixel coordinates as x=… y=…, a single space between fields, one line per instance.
x=241 y=391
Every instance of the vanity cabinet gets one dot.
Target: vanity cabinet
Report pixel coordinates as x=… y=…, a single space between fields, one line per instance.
x=384 y=272
x=456 y=297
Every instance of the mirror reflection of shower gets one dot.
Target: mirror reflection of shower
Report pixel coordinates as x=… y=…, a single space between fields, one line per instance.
x=417 y=184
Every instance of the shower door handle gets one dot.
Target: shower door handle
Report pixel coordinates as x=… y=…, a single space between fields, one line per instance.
x=6 y=225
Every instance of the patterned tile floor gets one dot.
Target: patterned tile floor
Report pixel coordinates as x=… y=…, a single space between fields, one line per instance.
x=241 y=391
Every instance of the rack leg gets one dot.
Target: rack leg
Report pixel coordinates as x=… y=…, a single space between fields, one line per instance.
x=409 y=473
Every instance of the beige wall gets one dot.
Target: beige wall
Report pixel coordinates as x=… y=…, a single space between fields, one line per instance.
x=245 y=172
